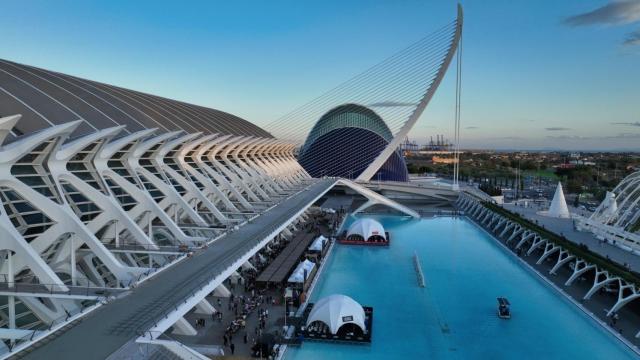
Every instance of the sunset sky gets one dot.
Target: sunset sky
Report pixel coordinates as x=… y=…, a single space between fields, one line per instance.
x=536 y=74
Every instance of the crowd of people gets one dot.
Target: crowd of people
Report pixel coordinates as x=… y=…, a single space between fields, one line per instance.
x=249 y=304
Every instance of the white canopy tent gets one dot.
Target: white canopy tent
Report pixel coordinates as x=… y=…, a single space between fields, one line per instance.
x=366 y=228
x=318 y=243
x=337 y=310
x=298 y=274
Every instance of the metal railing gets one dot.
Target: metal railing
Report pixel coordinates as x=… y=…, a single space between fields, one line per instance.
x=57 y=289
x=45 y=330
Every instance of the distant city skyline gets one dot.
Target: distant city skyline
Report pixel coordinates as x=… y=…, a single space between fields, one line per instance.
x=536 y=75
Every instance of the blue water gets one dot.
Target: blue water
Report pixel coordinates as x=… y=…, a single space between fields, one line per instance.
x=454 y=317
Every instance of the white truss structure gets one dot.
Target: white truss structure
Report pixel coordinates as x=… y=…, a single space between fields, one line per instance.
x=621 y=207
x=100 y=212
x=617 y=218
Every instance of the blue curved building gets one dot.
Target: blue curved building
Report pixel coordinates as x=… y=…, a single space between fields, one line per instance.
x=346 y=140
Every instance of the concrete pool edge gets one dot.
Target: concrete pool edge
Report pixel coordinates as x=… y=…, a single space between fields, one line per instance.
x=563 y=294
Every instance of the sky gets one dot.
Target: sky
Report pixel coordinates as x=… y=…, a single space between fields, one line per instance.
x=536 y=74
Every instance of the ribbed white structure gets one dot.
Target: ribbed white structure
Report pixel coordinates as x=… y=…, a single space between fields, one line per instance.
x=621 y=206
x=102 y=211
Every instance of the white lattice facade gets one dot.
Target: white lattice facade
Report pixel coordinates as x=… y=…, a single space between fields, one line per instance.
x=103 y=210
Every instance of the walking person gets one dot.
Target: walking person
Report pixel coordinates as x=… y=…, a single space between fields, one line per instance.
x=233 y=348
x=245 y=337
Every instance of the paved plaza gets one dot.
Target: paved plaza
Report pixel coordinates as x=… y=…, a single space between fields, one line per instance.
x=566 y=228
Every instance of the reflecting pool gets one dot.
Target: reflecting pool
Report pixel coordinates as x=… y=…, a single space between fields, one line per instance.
x=454 y=317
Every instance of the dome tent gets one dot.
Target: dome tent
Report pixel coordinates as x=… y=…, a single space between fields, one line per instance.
x=367 y=230
x=336 y=311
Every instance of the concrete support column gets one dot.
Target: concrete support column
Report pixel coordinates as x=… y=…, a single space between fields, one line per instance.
x=117 y=233
x=72 y=247
x=537 y=242
x=579 y=268
x=599 y=282
x=182 y=327
x=204 y=307
x=12 y=299
x=549 y=249
x=150 y=228
x=563 y=257
x=624 y=299
x=221 y=291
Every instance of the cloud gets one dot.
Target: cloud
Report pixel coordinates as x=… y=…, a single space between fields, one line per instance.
x=633 y=39
x=471 y=127
x=391 y=104
x=510 y=138
x=617 y=12
x=609 y=137
x=637 y=123
x=557 y=129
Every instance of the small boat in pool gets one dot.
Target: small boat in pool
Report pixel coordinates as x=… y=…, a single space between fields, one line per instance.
x=504 y=308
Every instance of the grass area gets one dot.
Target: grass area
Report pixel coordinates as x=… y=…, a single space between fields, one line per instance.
x=581 y=251
x=543 y=173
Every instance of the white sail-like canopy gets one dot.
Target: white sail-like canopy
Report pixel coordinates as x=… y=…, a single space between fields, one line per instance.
x=318 y=243
x=298 y=274
x=558 y=208
x=610 y=206
x=366 y=228
x=337 y=310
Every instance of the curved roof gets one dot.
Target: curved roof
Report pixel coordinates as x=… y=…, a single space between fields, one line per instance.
x=348 y=116
x=45 y=98
x=347 y=152
x=366 y=228
x=337 y=310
